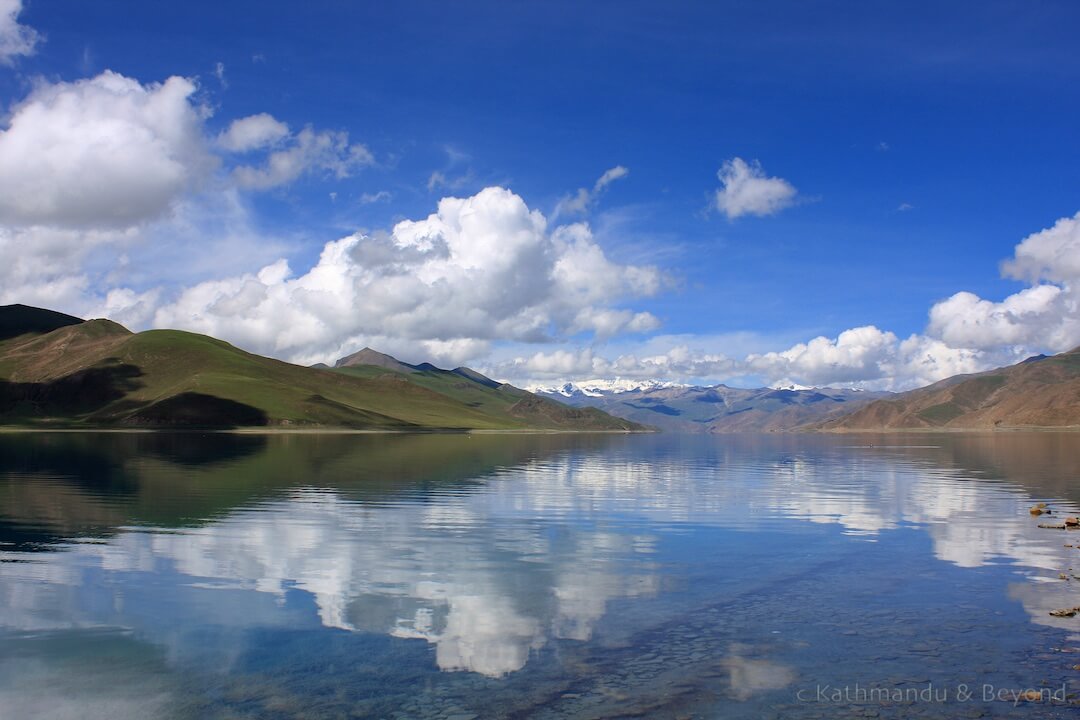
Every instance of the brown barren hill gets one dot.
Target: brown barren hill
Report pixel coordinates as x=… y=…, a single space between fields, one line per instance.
x=1041 y=392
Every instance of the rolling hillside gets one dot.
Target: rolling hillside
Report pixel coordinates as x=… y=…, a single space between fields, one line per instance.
x=1041 y=392
x=55 y=372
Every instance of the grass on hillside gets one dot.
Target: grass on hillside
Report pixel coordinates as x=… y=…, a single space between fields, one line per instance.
x=176 y=362
x=97 y=373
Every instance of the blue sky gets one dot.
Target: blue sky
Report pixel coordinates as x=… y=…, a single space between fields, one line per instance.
x=912 y=146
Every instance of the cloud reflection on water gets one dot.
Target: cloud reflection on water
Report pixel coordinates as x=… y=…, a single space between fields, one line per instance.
x=491 y=573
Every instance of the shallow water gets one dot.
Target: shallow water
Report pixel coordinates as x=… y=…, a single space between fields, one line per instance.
x=452 y=576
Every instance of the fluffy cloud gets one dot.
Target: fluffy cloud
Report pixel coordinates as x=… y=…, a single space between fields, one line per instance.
x=480 y=269
x=253 y=133
x=1034 y=316
x=869 y=357
x=583 y=198
x=85 y=169
x=15 y=39
x=1045 y=316
x=309 y=151
x=855 y=355
x=1052 y=254
x=747 y=190
x=102 y=152
x=111 y=152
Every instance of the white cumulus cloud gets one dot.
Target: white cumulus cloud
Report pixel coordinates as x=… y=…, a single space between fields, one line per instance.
x=854 y=355
x=480 y=269
x=106 y=151
x=15 y=39
x=869 y=357
x=253 y=132
x=1033 y=316
x=1052 y=254
x=1044 y=316
x=747 y=190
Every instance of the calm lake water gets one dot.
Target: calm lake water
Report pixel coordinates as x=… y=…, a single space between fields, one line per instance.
x=549 y=576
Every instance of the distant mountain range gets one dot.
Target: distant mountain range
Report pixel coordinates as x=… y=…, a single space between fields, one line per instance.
x=713 y=409
x=600 y=388
x=1040 y=392
x=58 y=370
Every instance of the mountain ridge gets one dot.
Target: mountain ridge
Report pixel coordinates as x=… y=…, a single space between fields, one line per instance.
x=1039 y=392
x=368 y=356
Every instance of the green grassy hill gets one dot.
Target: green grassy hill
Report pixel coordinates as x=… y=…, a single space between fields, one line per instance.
x=97 y=373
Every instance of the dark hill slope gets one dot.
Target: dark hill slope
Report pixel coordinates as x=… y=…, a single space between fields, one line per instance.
x=18 y=320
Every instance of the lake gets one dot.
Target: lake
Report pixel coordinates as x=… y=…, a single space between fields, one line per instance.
x=450 y=576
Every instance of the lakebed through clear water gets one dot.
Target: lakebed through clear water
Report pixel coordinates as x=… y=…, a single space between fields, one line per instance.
x=549 y=576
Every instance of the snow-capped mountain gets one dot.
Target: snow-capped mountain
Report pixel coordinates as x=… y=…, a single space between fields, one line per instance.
x=718 y=408
x=789 y=385
x=601 y=388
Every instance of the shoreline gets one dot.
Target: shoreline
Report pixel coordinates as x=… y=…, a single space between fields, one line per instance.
x=946 y=430
x=15 y=429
